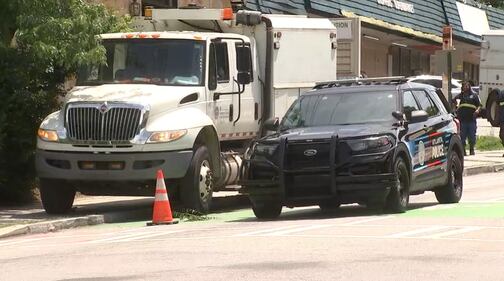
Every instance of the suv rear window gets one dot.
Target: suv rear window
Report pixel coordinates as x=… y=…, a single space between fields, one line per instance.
x=341 y=109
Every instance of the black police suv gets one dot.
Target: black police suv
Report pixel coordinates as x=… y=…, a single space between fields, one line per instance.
x=372 y=143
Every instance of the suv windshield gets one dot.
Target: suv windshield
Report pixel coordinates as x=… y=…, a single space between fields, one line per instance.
x=341 y=109
x=148 y=61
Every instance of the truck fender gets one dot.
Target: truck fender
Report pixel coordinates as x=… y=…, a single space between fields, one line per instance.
x=179 y=119
x=191 y=118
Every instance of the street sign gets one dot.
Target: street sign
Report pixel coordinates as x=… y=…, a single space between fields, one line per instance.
x=447 y=37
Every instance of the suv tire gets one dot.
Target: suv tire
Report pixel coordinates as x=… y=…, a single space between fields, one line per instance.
x=398 y=198
x=57 y=197
x=197 y=185
x=452 y=191
x=266 y=209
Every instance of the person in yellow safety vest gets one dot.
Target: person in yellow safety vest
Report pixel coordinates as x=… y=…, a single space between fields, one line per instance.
x=467 y=112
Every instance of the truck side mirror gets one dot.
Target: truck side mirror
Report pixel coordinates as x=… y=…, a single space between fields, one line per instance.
x=272 y=124
x=244 y=78
x=243 y=58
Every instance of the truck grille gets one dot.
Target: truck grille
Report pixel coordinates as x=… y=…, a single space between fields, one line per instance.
x=103 y=123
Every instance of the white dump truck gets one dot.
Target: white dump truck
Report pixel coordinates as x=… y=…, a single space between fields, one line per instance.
x=492 y=73
x=185 y=93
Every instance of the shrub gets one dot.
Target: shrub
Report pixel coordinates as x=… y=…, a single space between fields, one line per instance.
x=52 y=39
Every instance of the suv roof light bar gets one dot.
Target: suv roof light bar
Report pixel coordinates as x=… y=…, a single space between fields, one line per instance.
x=392 y=80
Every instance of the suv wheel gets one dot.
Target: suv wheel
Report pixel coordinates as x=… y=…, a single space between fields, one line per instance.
x=266 y=208
x=57 y=197
x=452 y=191
x=398 y=198
x=197 y=185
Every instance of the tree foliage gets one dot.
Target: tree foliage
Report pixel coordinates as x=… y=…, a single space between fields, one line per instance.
x=494 y=3
x=41 y=44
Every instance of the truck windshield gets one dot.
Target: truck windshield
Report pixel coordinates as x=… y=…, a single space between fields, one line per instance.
x=341 y=109
x=148 y=61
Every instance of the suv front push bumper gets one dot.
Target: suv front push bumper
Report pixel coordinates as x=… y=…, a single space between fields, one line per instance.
x=346 y=187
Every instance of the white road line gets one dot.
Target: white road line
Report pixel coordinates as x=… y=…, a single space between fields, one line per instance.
x=454 y=232
x=388 y=237
x=367 y=220
x=14 y=242
x=418 y=231
x=263 y=231
x=498 y=199
x=150 y=235
x=299 y=229
x=120 y=237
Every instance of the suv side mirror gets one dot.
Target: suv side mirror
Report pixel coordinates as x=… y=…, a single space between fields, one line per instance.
x=418 y=116
x=272 y=124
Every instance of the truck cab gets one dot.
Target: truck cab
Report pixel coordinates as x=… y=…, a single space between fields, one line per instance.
x=185 y=93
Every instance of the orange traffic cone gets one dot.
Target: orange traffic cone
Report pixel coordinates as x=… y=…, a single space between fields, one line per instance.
x=162 y=211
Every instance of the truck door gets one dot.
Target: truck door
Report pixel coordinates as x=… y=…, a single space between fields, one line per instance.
x=221 y=108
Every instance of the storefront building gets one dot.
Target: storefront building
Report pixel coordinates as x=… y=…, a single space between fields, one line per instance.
x=404 y=37
x=386 y=37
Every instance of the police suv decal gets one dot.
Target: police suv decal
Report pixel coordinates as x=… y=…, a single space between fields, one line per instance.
x=429 y=150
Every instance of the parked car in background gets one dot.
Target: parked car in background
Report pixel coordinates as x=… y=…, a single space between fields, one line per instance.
x=437 y=81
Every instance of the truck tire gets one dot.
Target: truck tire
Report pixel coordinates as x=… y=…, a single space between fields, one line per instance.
x=57 y=197
x=266 y=209
x=452 y=191
x=492 y=108
x=398 y=198
x=197 y=185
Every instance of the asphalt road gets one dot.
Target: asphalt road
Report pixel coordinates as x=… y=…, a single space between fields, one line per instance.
x=430 y=242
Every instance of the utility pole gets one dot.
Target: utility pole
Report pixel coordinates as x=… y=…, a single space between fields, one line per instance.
x=448 y=47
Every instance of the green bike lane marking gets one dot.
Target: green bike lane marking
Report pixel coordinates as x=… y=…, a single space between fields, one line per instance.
x=489 y=210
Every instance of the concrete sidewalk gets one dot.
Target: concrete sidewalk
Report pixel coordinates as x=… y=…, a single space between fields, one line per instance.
x=484 y=162
x=92 y=210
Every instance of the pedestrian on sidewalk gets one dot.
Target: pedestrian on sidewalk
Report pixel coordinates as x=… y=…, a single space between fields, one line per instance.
x=467 y=113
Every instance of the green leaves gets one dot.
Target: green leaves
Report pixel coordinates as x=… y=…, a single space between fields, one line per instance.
x=64 y=32
x=53 y=38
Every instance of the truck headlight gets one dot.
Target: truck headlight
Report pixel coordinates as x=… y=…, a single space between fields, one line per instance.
x=166 y=136
x=48 y=135
x=370 y=145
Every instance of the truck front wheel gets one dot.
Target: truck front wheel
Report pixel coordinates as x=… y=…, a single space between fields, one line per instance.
x=197 y=185
x=57 y=197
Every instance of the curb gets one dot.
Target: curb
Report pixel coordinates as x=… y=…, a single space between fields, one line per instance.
x=51 y=226
x=483 y=169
